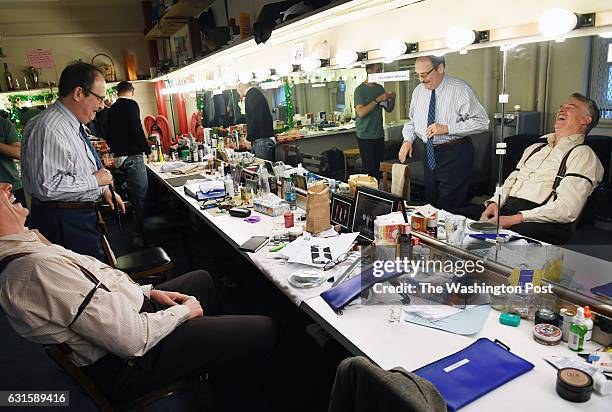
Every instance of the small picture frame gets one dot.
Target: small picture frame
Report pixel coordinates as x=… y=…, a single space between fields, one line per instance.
x=250 y=185
x=299 y=182
x=370 y=203
x=341 y=206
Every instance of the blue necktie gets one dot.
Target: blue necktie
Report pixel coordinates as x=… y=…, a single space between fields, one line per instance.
x=431 y=118
x=90 y=146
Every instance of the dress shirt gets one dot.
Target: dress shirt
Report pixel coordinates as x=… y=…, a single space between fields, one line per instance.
x=41 y=294
x=56 y=164
x=534 y=180
x=457 y=107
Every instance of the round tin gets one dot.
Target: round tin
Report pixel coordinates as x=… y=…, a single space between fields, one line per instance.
x=547 y=334
x=574 y=385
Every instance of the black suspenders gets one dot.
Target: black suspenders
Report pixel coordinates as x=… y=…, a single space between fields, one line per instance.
x=98 y=284
x=561 y=173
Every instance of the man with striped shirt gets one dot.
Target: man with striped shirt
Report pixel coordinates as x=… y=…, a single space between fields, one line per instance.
x=60 y=168
x=443 y=112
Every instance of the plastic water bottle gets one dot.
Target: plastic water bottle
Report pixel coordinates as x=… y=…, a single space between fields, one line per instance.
x=311 y=178
x=290 y=195
x=229 y=185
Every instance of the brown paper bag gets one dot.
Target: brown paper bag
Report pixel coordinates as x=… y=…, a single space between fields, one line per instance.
x=317 y=208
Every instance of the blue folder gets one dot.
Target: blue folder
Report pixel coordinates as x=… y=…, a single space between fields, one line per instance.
x=473 y=372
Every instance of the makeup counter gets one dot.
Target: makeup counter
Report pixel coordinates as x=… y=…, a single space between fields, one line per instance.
x=366 y=329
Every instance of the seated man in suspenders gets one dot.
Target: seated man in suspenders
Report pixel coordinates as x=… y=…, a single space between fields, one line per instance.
x=129 y=339
x=544 y=196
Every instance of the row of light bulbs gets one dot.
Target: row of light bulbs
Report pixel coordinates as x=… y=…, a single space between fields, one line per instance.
x=553 y=23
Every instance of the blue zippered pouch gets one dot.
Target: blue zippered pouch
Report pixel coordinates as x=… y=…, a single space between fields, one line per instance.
x=474 y=371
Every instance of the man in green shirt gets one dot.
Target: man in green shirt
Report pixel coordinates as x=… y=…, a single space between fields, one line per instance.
x=370 y=98
x=9 y=152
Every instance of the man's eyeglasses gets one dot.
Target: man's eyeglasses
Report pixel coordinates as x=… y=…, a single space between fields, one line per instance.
x=336 y=261
x=426 y=74
x=101 y=98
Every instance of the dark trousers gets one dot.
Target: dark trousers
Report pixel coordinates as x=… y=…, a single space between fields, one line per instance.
x=372 y=152
x=553 y=233
x=446 y=187
x=211 y=343
x=74 y=229
x=137 y=183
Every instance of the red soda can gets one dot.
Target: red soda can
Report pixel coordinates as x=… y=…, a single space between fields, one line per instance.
x=288 y=219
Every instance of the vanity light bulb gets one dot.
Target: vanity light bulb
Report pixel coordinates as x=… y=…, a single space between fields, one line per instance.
x=556 y=22
x=393 y=48
x=245 y=77
x=311 y=64
x=345 y=57
x=284 y=69
x=457 y=37
x=262 y=74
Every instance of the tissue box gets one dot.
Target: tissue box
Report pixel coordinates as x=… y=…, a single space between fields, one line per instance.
x=267 y=208
x=388 y=228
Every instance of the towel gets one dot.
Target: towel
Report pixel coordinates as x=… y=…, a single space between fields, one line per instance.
x=397 y=180
x=211 y=186
x=189 y=168
x=169 y=166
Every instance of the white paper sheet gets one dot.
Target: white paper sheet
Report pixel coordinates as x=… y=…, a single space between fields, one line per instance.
x=327 y=249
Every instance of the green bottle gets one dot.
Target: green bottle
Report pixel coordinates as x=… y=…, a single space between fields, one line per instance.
x=578 y=331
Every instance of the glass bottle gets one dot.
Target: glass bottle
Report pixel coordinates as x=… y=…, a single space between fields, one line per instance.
x=8 y=77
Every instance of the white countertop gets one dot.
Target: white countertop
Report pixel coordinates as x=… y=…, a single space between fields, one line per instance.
x=404 y=344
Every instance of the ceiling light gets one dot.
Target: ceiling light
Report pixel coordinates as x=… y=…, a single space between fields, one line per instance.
x=556 y=22
x=245 y=77
x=457 y=37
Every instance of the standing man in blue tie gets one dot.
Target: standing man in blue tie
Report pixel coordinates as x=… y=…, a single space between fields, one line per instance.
x=443 y=112
x=61 y=169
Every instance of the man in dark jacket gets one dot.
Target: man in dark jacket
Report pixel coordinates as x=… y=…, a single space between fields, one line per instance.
x=260 y=131
x=127 y=141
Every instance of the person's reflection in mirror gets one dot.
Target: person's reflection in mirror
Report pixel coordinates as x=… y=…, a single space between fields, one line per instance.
x=260 y=131
x=370 y=99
